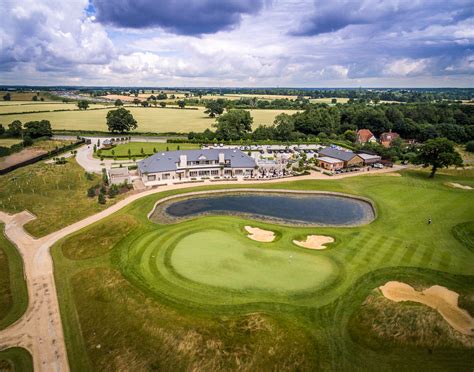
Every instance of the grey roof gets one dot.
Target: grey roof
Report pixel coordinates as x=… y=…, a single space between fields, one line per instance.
x=369 y=156
x=328 y=159
x=337 y=154
x=168 y=161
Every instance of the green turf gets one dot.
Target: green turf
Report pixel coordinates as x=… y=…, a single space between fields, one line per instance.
x=15 y=359
x=150 y=297
x=13 y=291
x=149 y=148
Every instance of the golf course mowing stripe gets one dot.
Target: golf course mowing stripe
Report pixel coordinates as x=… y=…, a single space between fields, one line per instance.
x=358 y=248
x=391 y=251
x=427 y=255
x=445 y=260
x=369 y=250
x=407 y=256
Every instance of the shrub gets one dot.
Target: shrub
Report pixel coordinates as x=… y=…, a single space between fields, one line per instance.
x=91 y=192
x=101 y=198
x=470 y=146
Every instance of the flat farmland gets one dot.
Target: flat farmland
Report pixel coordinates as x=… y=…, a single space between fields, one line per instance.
x=157 y=120
x=328 y=100
x=7 y=109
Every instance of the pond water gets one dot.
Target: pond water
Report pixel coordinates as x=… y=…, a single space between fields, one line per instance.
x=310 y=209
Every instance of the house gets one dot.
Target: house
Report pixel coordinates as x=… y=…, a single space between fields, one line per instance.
x=349 y=158
x=370 y=159
x=386 y=138
x=330 y=164
x=364 y=136
x=185 y=164
x=118 y=176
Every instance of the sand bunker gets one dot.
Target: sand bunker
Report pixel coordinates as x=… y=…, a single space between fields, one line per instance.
x=459 y=186
x=439 y=298
x=314 y=242
x=260 y=235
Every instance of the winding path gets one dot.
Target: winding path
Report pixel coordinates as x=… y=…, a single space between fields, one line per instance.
x=40 y=330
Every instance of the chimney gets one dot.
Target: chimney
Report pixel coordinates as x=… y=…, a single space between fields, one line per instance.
x=221 y=158
x=183 y=161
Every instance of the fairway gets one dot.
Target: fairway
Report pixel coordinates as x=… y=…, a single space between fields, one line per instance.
x=156 y=287
x=151 y=119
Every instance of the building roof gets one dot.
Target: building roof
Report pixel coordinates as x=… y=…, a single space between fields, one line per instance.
x=337 y=154
x=388 y=136
x=364 y=135
x=327 y=159
x=369 y=156
x=168 y=161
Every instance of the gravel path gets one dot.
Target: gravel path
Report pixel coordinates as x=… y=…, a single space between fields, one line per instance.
x=40 y=330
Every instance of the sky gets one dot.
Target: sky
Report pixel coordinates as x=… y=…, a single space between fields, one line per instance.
x=238 y=43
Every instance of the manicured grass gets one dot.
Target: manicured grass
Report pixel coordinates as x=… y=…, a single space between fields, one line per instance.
x=8 y=142
x=149 y=148
x=149 y=299
x=13 y=291
x=56 y=194
x=150 y=119
x=16 y=359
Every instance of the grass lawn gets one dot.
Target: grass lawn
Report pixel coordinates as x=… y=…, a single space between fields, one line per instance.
x=13 y=292
x=200 y=295
x=149 y=148
x=16 y=359
x=150 y=119
x=56 y=194
x=8 y=142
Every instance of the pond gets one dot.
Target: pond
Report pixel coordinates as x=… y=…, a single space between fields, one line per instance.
x=290 y=208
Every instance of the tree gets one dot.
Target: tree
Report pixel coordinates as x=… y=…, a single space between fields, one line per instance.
x=2 y=130
x=113 y=191
x=136 y=101
x=284 y=126
x=470 y=146
x=161 y=96
x=121 y=121
x=101 y=198
x=145 y=103
x=118 y=102
x=181 y=103
x=438 y=153
x=334 y=100
x=91 y=192
x=83 y=105
x=234 y=125
x=7 y=97
x=163 y=104
x=34 y=98
x=15 y=128
x=214 y=108
x=36 y=129
x=27 y=141
x=350 y=135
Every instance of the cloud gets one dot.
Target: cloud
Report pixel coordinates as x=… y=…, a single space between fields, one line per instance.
x=406 y=67
x=185 y=17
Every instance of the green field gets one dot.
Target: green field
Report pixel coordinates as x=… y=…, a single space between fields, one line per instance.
x=13 y=292
x=16 y=359
x=56 y=194
x=200 y=295
x=149 y=148
x=43 y=106
x=156 y=120
x=8 y=142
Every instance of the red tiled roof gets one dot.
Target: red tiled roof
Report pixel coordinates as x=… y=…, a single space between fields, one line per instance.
x=364 y=135
x=388 y=136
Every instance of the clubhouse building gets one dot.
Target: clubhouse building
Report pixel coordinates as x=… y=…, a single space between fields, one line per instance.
x=188 y=164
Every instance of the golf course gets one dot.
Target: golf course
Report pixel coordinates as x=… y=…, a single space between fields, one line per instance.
x=204 y=293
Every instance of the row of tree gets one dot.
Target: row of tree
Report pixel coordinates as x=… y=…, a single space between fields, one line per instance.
x=29 y=131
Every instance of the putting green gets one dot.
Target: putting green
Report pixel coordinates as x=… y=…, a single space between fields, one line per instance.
x=216 y=258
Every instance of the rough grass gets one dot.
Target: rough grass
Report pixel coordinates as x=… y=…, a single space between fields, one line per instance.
x=8 y=142
x=148 y=148
x=13 y=291
x=56 y=194
x=464 y=233
x=149 y=119
x=15 y=359
x=184 y=323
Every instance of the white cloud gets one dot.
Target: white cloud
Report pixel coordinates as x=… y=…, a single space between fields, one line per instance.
x=406 y=67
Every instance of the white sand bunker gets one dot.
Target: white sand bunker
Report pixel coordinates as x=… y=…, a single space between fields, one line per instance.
x=436 y=297
x=260 y=235
x=314 y=242
x=458 y=186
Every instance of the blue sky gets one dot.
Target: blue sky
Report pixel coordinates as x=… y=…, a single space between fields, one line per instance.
x=305 y=43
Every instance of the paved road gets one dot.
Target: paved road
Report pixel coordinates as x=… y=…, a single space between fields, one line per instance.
x=40 y=330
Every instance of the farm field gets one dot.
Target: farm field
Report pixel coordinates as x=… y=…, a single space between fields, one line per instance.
x=6 y=109
x=328 y=100
x=156 y=120
x=8 y=142
x=148 y=148
x=200 y=295
x=26 y=96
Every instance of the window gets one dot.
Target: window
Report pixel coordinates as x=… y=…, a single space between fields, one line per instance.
x=228 y=172
x=238 y=171
x=204 y=173
x=152 y=177
x=193 y=174
x=214 y=172
x=166 y=176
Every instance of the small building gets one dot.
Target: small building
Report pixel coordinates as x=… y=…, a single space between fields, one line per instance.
x=365 y=136
x=118 y=176
x=330 y=164
x=186 y=164
x=107 y=144
x=386 y=138
x=370 y=159
x=349 y=158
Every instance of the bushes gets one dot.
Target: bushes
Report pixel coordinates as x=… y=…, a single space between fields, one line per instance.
x=470 y=146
